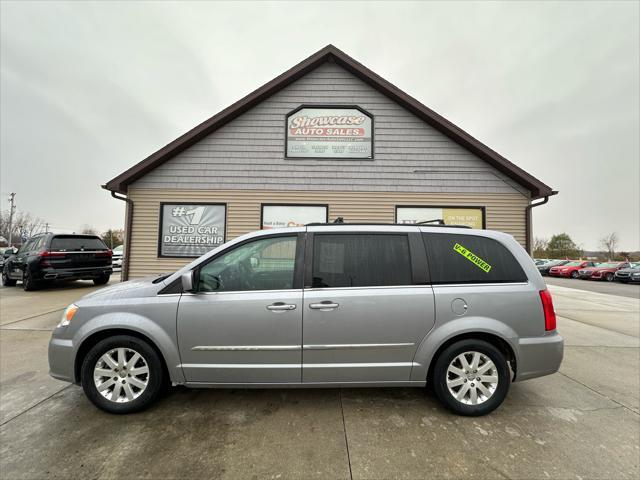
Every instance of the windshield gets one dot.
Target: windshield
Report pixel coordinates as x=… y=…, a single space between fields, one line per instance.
x=573 y=264
x=608 y=265
x=118 y=249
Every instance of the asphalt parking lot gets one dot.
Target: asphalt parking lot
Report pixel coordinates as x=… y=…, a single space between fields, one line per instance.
x=583 y=422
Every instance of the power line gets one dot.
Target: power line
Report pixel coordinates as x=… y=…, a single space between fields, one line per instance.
x=11 y=211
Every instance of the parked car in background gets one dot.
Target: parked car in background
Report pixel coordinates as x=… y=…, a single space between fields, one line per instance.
x=116 y=258
x=540 y=261
x=570 y=269
x=631 y=274
x=602 y=271
x=545 y=267
x=5 y=253
x=322 y=305
x=49 y=257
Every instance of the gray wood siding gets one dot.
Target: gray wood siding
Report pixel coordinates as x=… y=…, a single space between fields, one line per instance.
x=249 y=152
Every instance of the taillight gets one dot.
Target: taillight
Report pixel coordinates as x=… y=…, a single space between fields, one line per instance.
x=549 y=312
x=45 y=255
x=106 y=253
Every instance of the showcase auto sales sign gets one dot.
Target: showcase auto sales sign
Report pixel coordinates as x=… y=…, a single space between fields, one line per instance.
x=329 y=133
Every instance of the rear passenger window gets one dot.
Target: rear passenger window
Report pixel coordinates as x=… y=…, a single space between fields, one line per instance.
x=470 y=259
x=360 y=260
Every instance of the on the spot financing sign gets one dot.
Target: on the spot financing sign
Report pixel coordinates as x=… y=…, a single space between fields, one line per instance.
x=471 y=217
x=329 y=133
x=190 y=230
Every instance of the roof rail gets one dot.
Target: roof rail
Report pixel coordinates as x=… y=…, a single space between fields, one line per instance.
x=363 y=224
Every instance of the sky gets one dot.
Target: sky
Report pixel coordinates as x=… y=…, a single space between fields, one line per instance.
x=88 y=89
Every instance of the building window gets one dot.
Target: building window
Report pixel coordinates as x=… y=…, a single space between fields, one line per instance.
x=468 y=216
x=190 y=229
x=278 y=216
x=360 y=260
x=329 y=132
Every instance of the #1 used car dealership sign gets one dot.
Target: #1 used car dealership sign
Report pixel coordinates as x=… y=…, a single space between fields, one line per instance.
x=329 y=132
x=190 y=230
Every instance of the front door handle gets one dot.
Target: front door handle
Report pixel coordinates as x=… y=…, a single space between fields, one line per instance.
x=324 y=306
x=281 y=307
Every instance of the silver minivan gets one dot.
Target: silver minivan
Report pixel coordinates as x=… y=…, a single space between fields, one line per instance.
x=327 y=305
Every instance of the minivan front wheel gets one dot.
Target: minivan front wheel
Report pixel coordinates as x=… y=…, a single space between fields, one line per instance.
x=122 y=374
x=471 y=377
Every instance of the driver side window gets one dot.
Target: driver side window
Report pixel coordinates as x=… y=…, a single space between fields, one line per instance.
x=264 y=264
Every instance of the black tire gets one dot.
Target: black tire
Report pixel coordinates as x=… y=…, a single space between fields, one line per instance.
x=440 y=377
x=609 y=277
x=574 y=274
x=6 y=281
x=28 y=283
x=101 y=280
x=156 y=377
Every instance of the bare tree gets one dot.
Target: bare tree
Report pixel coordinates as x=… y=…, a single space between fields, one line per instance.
x=88 y=230
x=540 y=246
x=24 y=225
x=609 y=243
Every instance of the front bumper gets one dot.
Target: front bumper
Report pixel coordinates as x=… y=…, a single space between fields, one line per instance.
x=61 y=359
x=539 y=356
x=88 y=273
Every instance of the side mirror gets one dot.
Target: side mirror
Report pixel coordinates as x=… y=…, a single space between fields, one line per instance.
x=187 y=281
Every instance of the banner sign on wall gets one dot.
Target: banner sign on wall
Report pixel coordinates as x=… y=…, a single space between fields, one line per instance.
x=470 y=217
x=190 y=230
x=329 y=133
x=278 y=216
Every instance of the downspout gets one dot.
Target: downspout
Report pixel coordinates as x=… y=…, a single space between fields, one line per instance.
x=529 y=242
x=127 y=235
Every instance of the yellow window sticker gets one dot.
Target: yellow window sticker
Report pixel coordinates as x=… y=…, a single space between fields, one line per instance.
x=472 y=257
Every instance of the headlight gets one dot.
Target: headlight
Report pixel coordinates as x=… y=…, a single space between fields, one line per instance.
x=636 y=275
x=68 y=315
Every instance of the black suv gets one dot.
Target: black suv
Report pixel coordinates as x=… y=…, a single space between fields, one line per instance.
x=49 y=257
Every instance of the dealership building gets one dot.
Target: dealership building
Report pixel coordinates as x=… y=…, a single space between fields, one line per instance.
x=328 y=138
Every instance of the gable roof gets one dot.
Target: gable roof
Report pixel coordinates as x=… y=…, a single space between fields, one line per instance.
x=330 y=53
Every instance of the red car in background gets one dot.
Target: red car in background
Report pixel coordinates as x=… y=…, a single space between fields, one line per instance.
x=570 y=269
x=602 y=271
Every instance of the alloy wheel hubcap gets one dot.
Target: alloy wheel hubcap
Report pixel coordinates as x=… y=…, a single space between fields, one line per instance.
x=472 y=378
x=121 y=375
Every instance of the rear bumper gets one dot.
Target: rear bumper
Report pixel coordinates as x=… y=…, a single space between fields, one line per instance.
x=61 y=359
x=539 y=356
x=86 y=273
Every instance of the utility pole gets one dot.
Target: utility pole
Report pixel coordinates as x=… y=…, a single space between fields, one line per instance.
x=11 y=210
x=46 y=227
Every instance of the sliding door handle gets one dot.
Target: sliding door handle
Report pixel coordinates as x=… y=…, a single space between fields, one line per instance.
x=325 y=306
x=281 y=307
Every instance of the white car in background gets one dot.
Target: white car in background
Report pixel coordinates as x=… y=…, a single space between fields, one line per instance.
x=117 y=257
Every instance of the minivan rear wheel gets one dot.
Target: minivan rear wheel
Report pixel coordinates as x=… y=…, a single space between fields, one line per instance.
x=471 y=377
x=122 y=374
